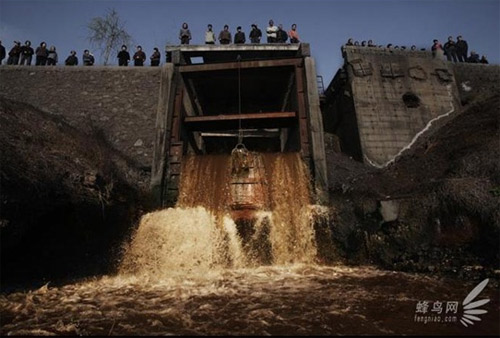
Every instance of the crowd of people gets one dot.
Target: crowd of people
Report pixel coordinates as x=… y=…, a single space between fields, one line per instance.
x=454 y=51
x=23 y=55
x=274 y=34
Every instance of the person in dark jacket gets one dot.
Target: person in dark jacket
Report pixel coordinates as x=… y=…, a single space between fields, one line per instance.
x=2 y=52
x=185 y=34
x=239 y=37
x=484 y=60
x=14 y=54
x=72 y=59
x=462 y=49
x=139 y=57
x=281 y=34
x=225 y=36
x=123 y=57
x=255 y=34
x=26 y=54
x=450 y=49
x=473 y=58
x=41 y=54
x=155 y=57
x=88 y=58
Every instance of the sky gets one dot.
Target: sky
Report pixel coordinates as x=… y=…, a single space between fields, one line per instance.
x=325 y=24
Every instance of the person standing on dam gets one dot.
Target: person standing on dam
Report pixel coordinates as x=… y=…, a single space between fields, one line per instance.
x=437 y=50
x=2 y=53
x=281 y=35
x=462 y=49
x=123 y=57
x=239 y=37
x=139 y=57
x=255 y=34
x=209 y=35
x=155 y=57
x=26 y=54
x=272 y=32
x=185 y=34
x=88 y=58
x=52 y=56
x=72 y=59
x=294 y=36
x=41 y=54
x=225 y=36
x=14 y=54
x=450 y=49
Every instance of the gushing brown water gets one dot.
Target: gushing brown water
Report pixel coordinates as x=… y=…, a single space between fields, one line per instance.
x=199 y=234
x=189 y=272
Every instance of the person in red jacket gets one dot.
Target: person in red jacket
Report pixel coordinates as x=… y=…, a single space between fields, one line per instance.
x=294 y=36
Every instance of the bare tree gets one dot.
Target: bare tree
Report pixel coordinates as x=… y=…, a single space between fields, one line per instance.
x=108 y=33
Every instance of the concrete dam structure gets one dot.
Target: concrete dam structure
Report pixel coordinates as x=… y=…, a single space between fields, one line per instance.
x=156 y=116
x=381 y=99
x=215 y=97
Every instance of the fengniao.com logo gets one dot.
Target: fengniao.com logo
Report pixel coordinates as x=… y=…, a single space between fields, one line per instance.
x=452 y=311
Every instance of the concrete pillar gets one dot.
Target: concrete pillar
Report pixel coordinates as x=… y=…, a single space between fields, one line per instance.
x=163 y=116
x=316 y=129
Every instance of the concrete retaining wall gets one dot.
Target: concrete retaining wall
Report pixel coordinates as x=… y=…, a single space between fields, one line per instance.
x=119 y=102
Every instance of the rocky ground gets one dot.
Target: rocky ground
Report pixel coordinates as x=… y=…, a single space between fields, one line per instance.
x=436 y=209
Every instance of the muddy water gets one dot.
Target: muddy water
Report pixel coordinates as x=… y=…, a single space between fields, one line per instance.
x=298 y=299
x=187 y=271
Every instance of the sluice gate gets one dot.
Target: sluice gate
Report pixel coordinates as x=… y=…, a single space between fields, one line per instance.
x=213 y=97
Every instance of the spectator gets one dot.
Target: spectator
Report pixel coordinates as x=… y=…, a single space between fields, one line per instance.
x=450 y=50
x=356 y=43
x=437 y=50
x=484 y=60
x=2 y=52
x=294 y=36
x=184 y=34
x=462 y=49
x=123 y=57
x=155 y=57
x=389 y=46
x=88 y=58
x=139 y=57
x=209 y=36
x=281 y=35
x=370 y=44
x=363 y=43
x=239 y=37
x=26 y=54
x=255 y=34
x=52 y=56
x=474 y=57
x=350 y=42
x=225 y=36
x=14 y=54
x=271 y=32
x=413 y=48
x=71 y=60
x=41 y=53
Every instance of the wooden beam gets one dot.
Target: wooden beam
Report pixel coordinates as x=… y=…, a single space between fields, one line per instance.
x=242 y=64
x=253 y=120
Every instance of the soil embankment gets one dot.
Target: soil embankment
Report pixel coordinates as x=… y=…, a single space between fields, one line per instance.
x=436 y=209
x=67 y=198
